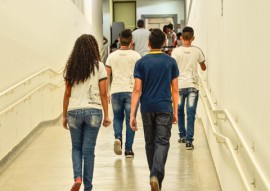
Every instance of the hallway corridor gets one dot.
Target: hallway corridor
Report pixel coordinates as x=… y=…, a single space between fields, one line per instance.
x=45 y=164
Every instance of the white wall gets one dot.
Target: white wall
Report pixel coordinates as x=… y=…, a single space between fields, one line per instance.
x=36 y=34
x=94 y=15
x=107 y=20
x=236 y=49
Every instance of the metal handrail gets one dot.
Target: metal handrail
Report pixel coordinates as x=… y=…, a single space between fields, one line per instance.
x=5 y=92
x=228 y=142
x=26 y=97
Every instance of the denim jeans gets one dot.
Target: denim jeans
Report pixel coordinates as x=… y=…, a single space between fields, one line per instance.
x=84 y=126
x=157 y=134
x=121 y=103
x=190 y=96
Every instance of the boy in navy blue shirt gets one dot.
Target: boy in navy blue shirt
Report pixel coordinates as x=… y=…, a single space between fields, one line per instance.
x=156 y=85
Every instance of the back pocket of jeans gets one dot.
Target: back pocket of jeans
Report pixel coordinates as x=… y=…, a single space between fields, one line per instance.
x=95 y=120
x=164 y=119
x=71 y=118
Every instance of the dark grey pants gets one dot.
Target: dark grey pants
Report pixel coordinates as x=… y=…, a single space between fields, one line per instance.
x=157 y=134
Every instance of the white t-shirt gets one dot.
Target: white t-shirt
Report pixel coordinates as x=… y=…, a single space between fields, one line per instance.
x=122 y=63
x=170 y=38
x=86 y=95
x=140 y=38
x=187 y=59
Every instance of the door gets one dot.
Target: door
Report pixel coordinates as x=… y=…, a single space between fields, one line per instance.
x=125 y=11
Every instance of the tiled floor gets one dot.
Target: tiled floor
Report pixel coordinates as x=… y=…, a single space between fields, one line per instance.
x=45 y=165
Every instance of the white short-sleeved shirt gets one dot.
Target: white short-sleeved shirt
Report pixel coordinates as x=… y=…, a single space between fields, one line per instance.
x=86 y=95
x=122 y=63
x=172 y=35
x=140 y=37
x=187 y=59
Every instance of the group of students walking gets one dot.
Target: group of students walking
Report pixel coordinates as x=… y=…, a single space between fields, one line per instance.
x=157 y=83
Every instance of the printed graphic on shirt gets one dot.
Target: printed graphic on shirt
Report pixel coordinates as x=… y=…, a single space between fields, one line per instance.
x=93 y=95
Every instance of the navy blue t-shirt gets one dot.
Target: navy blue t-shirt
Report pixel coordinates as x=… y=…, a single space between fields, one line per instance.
x=156 y=70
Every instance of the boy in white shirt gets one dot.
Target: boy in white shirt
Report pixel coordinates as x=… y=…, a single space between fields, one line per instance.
x=121 y=64
x=187 y=58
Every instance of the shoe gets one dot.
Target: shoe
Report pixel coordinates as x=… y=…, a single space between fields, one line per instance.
x=118 y=146
x=189 y=146
x=77 y=184
x=154 y=184
x=181 y=140
x=129 y=154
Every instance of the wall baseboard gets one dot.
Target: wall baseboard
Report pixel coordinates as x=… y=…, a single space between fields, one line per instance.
x=6 y=160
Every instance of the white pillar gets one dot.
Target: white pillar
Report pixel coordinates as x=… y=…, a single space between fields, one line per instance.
x=93 y=13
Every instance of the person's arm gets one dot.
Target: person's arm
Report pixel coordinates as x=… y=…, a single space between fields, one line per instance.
x=203 y=66
x=175 y=95
x=104 y=101
x=136 y=93
x=108 y=82
x=65 y=104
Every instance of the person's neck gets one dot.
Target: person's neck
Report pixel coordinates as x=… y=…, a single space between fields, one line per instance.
x=124 y=48
x=186 y=43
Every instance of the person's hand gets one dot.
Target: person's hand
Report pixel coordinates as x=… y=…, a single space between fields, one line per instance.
x=64 y=123
x=175 y=118
x=106 y=122
x=133 y=124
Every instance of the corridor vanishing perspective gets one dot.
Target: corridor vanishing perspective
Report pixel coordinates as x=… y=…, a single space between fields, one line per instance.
x=45 y=164
x=231 y=130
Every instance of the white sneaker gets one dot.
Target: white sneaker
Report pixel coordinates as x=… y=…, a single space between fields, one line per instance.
x=118 y=147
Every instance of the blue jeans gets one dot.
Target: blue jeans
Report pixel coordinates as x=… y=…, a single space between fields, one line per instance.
x=157 y=134
x=84 y=126
x=121 y=105
x=190 y=95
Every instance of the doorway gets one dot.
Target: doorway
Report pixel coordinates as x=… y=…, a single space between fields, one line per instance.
x=159 y=20
x=125 y=11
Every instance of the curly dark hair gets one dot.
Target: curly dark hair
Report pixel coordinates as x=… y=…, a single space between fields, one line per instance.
x=83 y=60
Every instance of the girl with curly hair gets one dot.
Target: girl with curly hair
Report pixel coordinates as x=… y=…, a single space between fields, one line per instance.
x=85 y=96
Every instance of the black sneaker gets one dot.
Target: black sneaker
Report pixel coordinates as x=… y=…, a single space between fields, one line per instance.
x=189 y=146
x=181 y=140
x=129 y=154
x=118 y=146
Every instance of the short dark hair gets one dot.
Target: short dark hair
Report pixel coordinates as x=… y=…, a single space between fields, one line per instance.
x=187 y=33
x=140 y=23
x=125 y=37
x=156 y=39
